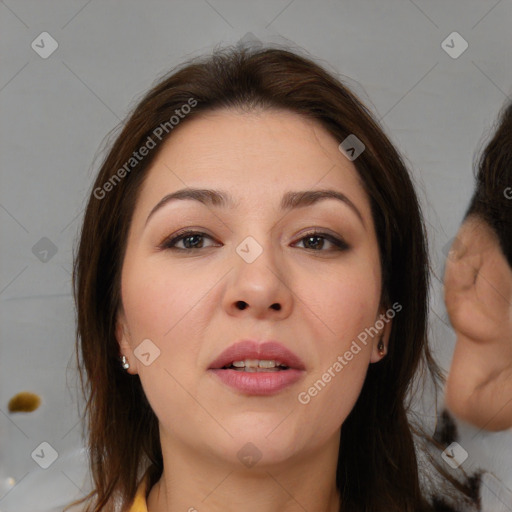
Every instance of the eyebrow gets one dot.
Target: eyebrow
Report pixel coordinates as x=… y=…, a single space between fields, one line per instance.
x=290 y=200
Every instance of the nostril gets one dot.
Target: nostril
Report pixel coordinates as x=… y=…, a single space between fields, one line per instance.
x=242 y=305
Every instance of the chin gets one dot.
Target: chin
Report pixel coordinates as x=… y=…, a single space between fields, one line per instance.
x=260 y=454
x=270 y=438
x=264 y=428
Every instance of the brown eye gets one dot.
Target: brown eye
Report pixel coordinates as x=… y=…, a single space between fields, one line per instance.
x=315 y=241
x=191 y=240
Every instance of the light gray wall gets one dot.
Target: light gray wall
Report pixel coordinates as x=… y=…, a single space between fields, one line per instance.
x=56 y=111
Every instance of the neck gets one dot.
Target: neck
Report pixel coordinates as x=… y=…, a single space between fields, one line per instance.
x=195 y=482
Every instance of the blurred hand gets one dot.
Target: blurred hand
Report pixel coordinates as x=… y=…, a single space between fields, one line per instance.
x=478 y=297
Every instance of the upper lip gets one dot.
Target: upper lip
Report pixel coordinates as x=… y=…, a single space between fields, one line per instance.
x=248 y=349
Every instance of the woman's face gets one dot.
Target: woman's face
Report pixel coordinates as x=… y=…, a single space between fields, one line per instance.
x=253 y=273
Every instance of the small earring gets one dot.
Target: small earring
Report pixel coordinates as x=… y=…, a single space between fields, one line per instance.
x=124 y=363
x=381 y=348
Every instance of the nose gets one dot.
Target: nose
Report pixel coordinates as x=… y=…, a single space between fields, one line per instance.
x=258 y=289
x=242 y=304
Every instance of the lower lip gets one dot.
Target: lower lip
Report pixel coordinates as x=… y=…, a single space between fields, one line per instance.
x=258 y=383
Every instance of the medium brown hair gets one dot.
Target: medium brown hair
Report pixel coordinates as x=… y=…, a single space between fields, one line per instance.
x=377 y=466
x=492 y=198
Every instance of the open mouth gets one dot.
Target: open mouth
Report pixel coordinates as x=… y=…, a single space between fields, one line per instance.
x=256 y=365
x=256 y=369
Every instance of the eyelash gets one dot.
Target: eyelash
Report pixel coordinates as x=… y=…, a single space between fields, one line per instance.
x=169 y=243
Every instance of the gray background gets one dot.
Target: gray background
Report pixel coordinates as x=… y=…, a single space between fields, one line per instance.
x=57 y=111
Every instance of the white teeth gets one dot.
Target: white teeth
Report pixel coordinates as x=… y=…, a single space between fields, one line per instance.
x=256 y=370
x=256 y=363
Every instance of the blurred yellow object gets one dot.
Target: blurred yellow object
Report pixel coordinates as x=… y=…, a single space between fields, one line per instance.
x=24 y=402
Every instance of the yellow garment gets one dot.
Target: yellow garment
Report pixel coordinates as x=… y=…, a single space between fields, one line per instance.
x=139 y=502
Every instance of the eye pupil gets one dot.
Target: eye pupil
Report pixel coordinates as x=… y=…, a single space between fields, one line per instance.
x=313 y=238
x=189 y=246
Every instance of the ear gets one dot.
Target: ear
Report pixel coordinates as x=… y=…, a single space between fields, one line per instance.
x=464 y=258
x=123 y=338
x=383 y=323
x=462 y=267
x=478 y=285
x=461 y=271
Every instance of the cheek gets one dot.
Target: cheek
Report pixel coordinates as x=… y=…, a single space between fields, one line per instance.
x=159 y=305
x=332 y=391
x=157 y=298
x=347 y=306
x=345 y=300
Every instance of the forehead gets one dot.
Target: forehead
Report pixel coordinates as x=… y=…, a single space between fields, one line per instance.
x=255 y=156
